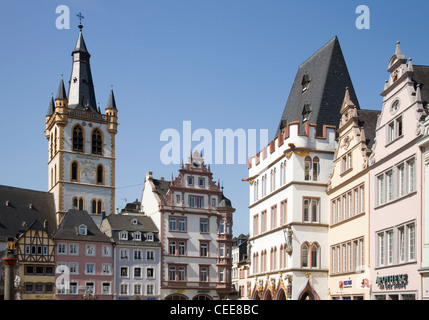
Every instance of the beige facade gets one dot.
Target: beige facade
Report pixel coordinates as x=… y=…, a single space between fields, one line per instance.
x=348 y=193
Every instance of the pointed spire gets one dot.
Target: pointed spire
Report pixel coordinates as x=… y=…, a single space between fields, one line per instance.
x=51 y=108
x=61 y=94
x=111 y=104
x=418 y=93
x=347 y=102
x=80 y=44
x=410 y=65
x=398 y=49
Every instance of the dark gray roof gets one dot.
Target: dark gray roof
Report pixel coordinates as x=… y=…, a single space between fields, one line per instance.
x=368 y=120
x=327 y=73
x=20 y=208
x=61 y=94
x=115 y=223
x=161 y=187
x=421 y=76
x=124 y=222
x=67 y=230
x=83 y=83
x=224 y=202
x=111 y=104
x=51 y=108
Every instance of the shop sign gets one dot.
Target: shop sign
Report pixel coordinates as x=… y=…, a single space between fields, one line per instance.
x=399 y=281
x=345 y=284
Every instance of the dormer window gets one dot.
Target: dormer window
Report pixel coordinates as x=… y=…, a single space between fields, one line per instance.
x=137 y=236
x=149 y=237
x=305 y=82
x=134 y=221
x=123 y=235
x=306 y=112
x=82 y=230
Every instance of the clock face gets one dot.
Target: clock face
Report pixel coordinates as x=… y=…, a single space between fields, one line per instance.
x=394 y=107
x=88 y=168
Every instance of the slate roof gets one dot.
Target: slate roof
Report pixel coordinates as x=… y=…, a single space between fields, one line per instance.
x=20 y=208
x=111 y=103
x=51 y=108
x=368 y=120
x=161 y=187
x=67 y=230
x=421 y=76
x=328 y=76
x=83 y=82
x=115 y=223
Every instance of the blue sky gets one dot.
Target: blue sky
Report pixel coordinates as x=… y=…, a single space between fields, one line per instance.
x=219 y=64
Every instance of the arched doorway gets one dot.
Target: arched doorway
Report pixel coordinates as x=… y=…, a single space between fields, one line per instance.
x=267 y=295
x=281 y=294
x=308 y=293
x=176 y=296
x=202 y=297
x=255 y=295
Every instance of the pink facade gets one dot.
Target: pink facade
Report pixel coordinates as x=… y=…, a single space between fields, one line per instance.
x=396 y=197
x=90 y=268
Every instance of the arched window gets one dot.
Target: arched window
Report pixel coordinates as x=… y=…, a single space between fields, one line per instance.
x=304 y=255
x=74 y=171
x=315 y=168
x=52 y=145
x=97 y=142
x=307 y=163
x=78 y=203
x=78 y=138
x=100 y=174
x=96 y=206
x=55 y=141
x=314 y=255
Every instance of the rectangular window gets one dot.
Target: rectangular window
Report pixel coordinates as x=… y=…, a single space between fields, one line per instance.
x=105 y=287
x=390 y=247
x=401 y=180
x=381 y=249
x=182 y=224
x=380 y=189
x=273 y=217
x=204 y=274
x=311 y=209
x=389 y=185
x=411 y=242
x=362 y=198
x=411 y=175
x=172 y=247
x=401 y=244
x=204 y=225
x=283 y=212
x=204 y=249
x=172 y=223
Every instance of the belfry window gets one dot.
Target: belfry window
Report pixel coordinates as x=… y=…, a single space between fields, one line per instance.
x=100 y=174
x=97 y=142
x=74 y=171
x=77 y=139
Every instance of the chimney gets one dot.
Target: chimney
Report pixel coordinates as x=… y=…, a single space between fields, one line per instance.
x=103 y=215
x=45 y=225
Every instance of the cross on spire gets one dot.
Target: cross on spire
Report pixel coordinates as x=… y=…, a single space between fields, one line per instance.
x=80 y=16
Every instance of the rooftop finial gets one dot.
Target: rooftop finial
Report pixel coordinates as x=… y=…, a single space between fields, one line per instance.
x=80 y=16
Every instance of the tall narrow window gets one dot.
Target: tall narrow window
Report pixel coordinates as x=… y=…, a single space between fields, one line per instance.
x=100 y=174
x=315 y=168
x=94 y=206
x=314 y=255
x=78 y=139
x=81 y=206
x=97 y=142
x=304 y=256
x=99 y=206
x=74 y=171
x=307 y=162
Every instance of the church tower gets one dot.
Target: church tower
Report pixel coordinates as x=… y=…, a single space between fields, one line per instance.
x=81 y=166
